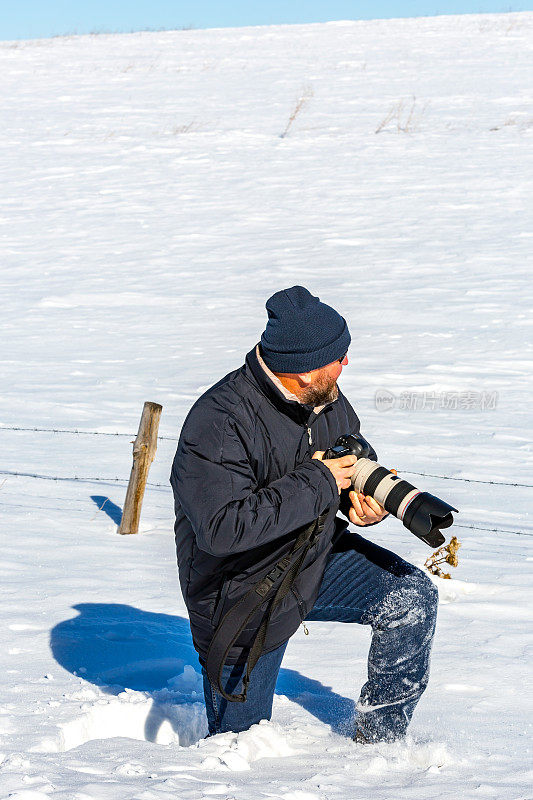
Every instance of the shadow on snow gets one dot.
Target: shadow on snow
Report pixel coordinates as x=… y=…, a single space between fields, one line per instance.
x=118 y=647
x=113 y=511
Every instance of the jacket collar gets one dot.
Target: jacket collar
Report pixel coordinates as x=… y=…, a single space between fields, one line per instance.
x=299 y=412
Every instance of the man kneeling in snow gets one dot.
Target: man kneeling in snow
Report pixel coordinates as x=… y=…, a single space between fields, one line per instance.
x=248 y=477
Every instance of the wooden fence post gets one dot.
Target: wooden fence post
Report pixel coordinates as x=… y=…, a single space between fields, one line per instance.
x=144 y=448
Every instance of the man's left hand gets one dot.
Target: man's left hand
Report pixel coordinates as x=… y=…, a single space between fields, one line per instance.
x=366 y=510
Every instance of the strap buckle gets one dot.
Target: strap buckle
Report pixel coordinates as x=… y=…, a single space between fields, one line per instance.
x=241 y=698
x=271 y=577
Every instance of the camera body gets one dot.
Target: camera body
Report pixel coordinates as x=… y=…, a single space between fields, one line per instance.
x=350 y=445
x=421 y=513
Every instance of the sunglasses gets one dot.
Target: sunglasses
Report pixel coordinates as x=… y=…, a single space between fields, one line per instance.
x=342 y=359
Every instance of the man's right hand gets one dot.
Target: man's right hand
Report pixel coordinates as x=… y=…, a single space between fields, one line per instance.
x=342 y=469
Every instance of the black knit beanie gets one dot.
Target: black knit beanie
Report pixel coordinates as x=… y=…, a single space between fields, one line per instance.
x=302 y=333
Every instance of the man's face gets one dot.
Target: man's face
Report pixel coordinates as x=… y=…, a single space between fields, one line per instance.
x=323 y=387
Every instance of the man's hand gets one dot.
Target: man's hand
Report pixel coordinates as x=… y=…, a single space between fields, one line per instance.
x=366 y=510
x=342 y=469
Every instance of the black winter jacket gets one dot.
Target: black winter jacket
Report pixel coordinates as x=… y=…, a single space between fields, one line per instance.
x=244 y=482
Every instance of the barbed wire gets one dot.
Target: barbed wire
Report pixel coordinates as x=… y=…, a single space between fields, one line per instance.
x=77 y=432
x=466 y=480
x=492 y=530
x=173 y=439
x=75 y=478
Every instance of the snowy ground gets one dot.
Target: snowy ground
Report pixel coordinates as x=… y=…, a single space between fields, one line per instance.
x=149 y=207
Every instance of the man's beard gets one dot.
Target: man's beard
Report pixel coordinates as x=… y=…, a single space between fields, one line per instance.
x=323 y=391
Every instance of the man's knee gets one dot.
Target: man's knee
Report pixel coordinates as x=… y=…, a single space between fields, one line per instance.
x=428 y=592
x=422 y=596
x=412 y=601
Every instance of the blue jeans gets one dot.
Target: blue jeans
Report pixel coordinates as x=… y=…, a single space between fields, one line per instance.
x=371 y=586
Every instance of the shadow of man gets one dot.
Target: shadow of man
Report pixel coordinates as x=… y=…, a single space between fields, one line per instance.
x=118 y=647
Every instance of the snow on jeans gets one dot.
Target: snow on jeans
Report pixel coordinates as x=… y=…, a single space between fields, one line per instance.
x=371 y=586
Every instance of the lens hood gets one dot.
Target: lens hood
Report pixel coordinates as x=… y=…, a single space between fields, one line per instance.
x=425 y=515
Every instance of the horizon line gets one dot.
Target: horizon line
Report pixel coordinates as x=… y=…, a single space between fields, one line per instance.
x=191 y=27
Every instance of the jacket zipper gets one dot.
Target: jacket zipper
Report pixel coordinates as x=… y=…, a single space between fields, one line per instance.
x=219 y=606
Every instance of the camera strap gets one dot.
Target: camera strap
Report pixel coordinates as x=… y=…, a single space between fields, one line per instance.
x=271 y=589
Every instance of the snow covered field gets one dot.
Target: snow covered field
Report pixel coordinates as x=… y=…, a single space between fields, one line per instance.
x=149 y=207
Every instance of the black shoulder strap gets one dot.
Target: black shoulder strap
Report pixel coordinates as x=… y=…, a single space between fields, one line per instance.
x=271 y=589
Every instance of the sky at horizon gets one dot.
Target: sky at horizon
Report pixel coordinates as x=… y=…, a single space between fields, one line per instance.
x=30 y=19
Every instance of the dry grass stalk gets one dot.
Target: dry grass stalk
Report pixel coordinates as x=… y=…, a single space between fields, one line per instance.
x=405 y=122
x=192 y=126
x=302 y=102
x=444 y=555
